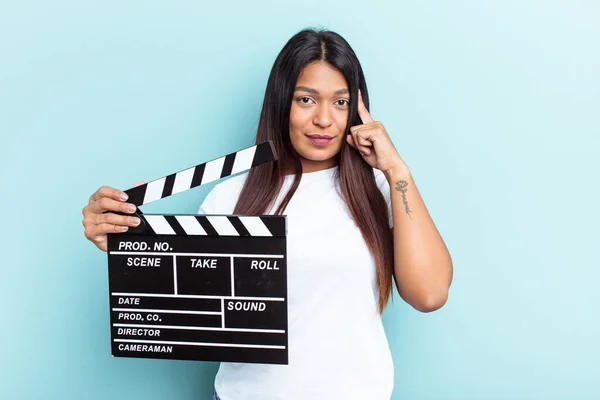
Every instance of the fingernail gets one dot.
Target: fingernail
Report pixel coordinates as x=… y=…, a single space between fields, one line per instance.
x=124 y=228
x=135 y=221
x=131 y=208
x=124 y=196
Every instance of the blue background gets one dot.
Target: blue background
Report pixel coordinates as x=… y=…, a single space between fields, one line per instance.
x=495 y=106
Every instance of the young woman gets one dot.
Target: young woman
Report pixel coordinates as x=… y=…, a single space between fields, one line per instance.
x=356 y=223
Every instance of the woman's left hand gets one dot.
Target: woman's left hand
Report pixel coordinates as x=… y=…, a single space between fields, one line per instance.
x=373 y=142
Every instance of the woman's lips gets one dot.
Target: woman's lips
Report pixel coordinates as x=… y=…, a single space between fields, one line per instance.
x=319 y=140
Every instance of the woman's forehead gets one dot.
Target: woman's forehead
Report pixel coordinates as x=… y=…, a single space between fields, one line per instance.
x=320 y=78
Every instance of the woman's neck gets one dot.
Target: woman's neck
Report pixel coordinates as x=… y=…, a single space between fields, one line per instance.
x=314 y=166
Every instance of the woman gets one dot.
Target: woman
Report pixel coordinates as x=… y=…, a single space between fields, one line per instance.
x=356 y=222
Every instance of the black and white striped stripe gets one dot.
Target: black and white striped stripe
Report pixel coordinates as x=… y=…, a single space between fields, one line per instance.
x=215 y=225
x=201 y=174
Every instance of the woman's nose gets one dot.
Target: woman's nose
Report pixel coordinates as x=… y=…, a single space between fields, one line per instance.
x=322 y=116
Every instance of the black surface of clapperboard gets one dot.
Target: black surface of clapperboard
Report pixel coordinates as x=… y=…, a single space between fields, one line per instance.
x=200 y=287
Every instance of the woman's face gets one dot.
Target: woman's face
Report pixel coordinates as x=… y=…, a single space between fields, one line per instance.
x=318 y=115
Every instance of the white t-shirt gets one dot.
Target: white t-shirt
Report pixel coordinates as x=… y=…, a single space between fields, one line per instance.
x=337 y=344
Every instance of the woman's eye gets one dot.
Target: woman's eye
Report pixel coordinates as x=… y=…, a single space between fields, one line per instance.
x=343 y=103
x=304 y=100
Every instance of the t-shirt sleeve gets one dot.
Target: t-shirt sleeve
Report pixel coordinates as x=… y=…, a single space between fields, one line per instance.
x=209 y=204
x=384 y=187
x=223 y=197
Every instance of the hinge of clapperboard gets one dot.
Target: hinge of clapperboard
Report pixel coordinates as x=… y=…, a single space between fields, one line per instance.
x=201 y=174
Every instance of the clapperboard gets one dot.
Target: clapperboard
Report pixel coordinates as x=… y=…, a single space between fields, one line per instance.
x=200 y=287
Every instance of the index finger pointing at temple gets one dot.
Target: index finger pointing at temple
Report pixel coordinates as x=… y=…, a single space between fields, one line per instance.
x=362 y=110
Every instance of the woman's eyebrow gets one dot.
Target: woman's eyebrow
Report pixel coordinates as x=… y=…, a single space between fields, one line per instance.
x=315 y=91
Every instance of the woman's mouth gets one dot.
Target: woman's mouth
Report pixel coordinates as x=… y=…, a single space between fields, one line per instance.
x=320 y=140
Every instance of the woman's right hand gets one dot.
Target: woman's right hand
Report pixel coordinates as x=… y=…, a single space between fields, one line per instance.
x=98 y=222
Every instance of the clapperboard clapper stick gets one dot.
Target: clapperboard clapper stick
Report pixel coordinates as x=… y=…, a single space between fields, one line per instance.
x=200 y=287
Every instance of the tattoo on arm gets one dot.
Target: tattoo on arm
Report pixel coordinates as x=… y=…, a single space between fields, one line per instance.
x=402 y=187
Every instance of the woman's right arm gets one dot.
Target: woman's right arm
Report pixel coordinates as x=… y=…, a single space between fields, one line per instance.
x=98 y=222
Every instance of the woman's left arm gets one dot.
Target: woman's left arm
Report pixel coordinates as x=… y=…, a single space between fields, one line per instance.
x=422 y=264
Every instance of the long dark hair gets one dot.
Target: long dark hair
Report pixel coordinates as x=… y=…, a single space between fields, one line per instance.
x=357 y=181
